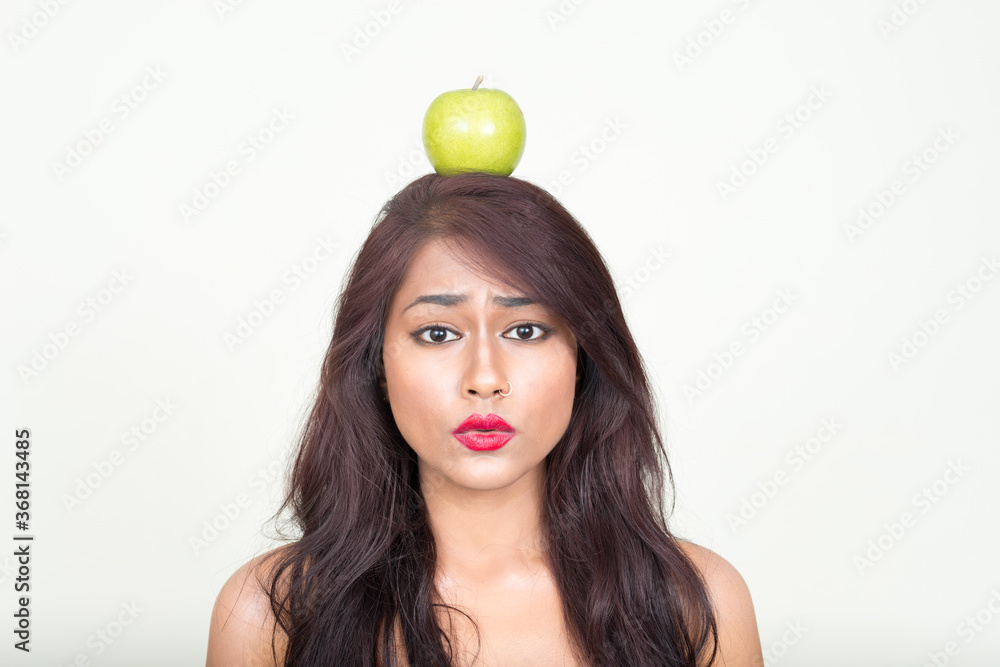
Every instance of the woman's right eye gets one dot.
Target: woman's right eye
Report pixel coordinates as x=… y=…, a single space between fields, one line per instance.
x=434 y=335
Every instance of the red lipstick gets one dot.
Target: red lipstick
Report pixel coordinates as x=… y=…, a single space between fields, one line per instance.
x=481 y=433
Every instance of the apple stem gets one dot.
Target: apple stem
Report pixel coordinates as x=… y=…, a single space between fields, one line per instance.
x=478 y=81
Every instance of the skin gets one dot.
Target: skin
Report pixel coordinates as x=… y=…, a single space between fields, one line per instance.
x=481 y=504
x=444 y=362
x=484 y=507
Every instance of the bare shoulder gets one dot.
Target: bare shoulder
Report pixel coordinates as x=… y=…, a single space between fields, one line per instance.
x=242 y=621
x=739 y=640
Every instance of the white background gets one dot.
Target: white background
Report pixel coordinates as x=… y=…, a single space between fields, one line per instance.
x=673 y=131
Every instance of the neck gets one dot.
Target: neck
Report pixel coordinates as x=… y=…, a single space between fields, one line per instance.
x=487 y=536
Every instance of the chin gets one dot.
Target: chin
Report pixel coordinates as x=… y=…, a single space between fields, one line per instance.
x=480 y=473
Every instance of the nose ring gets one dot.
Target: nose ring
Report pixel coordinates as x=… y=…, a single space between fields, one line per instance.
x=509 y=390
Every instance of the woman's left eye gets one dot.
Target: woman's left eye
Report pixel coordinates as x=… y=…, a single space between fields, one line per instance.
x=523 y=331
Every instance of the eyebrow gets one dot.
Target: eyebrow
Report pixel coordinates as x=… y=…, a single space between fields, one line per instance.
x=455 y=299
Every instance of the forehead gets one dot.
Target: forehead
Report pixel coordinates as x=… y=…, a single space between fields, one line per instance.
x=441 y=267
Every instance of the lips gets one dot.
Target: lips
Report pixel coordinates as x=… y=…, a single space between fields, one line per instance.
x=490 y=422
x=481 y=433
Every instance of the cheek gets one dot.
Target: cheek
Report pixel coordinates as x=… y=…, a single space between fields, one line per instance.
x=414 y=396
x=550 y=389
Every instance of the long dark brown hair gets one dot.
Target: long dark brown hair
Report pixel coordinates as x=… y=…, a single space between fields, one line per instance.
x=365 y=561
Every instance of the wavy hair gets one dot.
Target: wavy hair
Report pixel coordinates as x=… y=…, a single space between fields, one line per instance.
x=365 y=560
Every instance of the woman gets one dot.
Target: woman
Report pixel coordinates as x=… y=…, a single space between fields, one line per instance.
x=481 y=477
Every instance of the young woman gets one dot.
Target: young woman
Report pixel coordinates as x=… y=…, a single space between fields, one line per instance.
x=481 y=479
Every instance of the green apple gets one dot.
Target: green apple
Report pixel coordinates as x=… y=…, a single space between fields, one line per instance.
x=477 y=129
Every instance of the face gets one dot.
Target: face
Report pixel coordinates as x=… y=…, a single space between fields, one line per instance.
x=453 y=341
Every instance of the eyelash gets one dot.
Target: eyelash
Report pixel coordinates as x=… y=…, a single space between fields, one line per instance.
x=417 y=334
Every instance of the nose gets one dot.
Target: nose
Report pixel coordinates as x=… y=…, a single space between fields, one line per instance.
x=486 y=374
